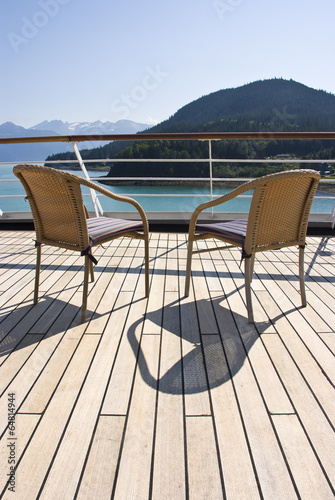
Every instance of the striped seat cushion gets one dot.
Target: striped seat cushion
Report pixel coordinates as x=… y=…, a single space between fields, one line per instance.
x=234 y=230
x=102 y=228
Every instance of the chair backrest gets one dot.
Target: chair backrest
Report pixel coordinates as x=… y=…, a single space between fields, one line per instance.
x=57 y=206
x=280 y=209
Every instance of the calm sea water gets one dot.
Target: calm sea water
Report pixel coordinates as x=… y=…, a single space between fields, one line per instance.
x=158 y=203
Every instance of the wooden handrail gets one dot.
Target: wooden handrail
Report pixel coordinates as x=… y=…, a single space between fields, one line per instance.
x=201 y=136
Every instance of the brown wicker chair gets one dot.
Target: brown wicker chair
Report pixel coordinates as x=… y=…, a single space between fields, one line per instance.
x=61 y=219
x=278 y=218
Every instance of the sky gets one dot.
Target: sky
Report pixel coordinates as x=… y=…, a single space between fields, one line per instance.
x=142 y=60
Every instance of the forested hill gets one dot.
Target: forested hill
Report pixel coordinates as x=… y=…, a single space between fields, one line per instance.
x=262 y=106
x=276 y=105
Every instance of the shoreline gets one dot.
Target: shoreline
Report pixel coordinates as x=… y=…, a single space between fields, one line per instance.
x=168 y=183
x=327 y=187
x=324 y=186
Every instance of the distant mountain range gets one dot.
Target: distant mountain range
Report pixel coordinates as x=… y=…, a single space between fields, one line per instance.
x=97 y=127
x=30 y=152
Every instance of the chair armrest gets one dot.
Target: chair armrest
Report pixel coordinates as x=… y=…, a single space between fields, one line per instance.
x=116 y=197
x=247 y=186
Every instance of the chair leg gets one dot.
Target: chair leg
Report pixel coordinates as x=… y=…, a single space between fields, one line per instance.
x=188 y=266
x=91 y=270
x=85 y=289
x=252 y=265
x=302 y=276
x=38 y=271
x=248 y=278
x=146 y=265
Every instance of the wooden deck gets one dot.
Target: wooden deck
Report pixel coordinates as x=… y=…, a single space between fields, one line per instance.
x=166 y=397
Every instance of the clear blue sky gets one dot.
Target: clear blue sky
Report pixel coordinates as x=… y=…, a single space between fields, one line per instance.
x=87 y=60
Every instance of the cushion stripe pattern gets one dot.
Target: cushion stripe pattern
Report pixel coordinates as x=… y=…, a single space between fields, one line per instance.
x=234 y=230
x=100 y=228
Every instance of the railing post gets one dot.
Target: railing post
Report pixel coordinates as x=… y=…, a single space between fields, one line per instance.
x=210 y=172
x=96 y=202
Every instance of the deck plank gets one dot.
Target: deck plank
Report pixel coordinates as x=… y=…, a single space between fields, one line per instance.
x=194 y=373
x=204 y=478
x=206 y=315
x=232 y=441
x=154 y=315
x=99 y=475
x=172 y=268
x=169 y=455
x=308 y=476
x=317 y=425
x=136 y=454
x=118 y=394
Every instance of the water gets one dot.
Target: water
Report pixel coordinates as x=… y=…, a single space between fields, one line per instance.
x=158 y=203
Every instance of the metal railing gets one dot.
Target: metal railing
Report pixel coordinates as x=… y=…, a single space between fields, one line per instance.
x=200 y=136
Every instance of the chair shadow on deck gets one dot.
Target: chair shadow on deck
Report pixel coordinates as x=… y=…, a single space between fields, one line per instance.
x=321 y=251
x=203 y=360
x=55 y=317
x=52 y=314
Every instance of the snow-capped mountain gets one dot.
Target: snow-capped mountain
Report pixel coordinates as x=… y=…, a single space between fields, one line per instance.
x=97 y=127
x=39 y=151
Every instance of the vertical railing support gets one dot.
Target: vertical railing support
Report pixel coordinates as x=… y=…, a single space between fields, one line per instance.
x=210 y=172
x=95 y=201
x=333 y=217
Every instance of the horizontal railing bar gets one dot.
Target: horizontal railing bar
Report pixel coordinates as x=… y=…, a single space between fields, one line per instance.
x=175 y=160
x=200 y=160
x=151 y=195
x=170 y=136
x=296 y=160
x=163 y=215
x=174 y=179
x=177 y=179
x=12 y=196
x=167 y=195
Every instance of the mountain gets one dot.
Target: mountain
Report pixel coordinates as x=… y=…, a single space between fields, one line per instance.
x=86 y=128
x=9 y=129
x=40 y=151
x=29 y=152
x=273 y=105
x=262 y=106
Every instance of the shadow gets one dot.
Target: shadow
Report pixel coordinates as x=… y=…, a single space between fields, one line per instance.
x=111 y=269
x=320 y=251
x=74 y=267
x=201 y=359
x=167 y=251
x=29 y=324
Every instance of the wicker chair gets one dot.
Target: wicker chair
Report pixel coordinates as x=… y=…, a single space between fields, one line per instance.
x=61 y=219
x=278 y=218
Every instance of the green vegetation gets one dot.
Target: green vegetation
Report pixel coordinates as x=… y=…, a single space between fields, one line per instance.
x=220 y=149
